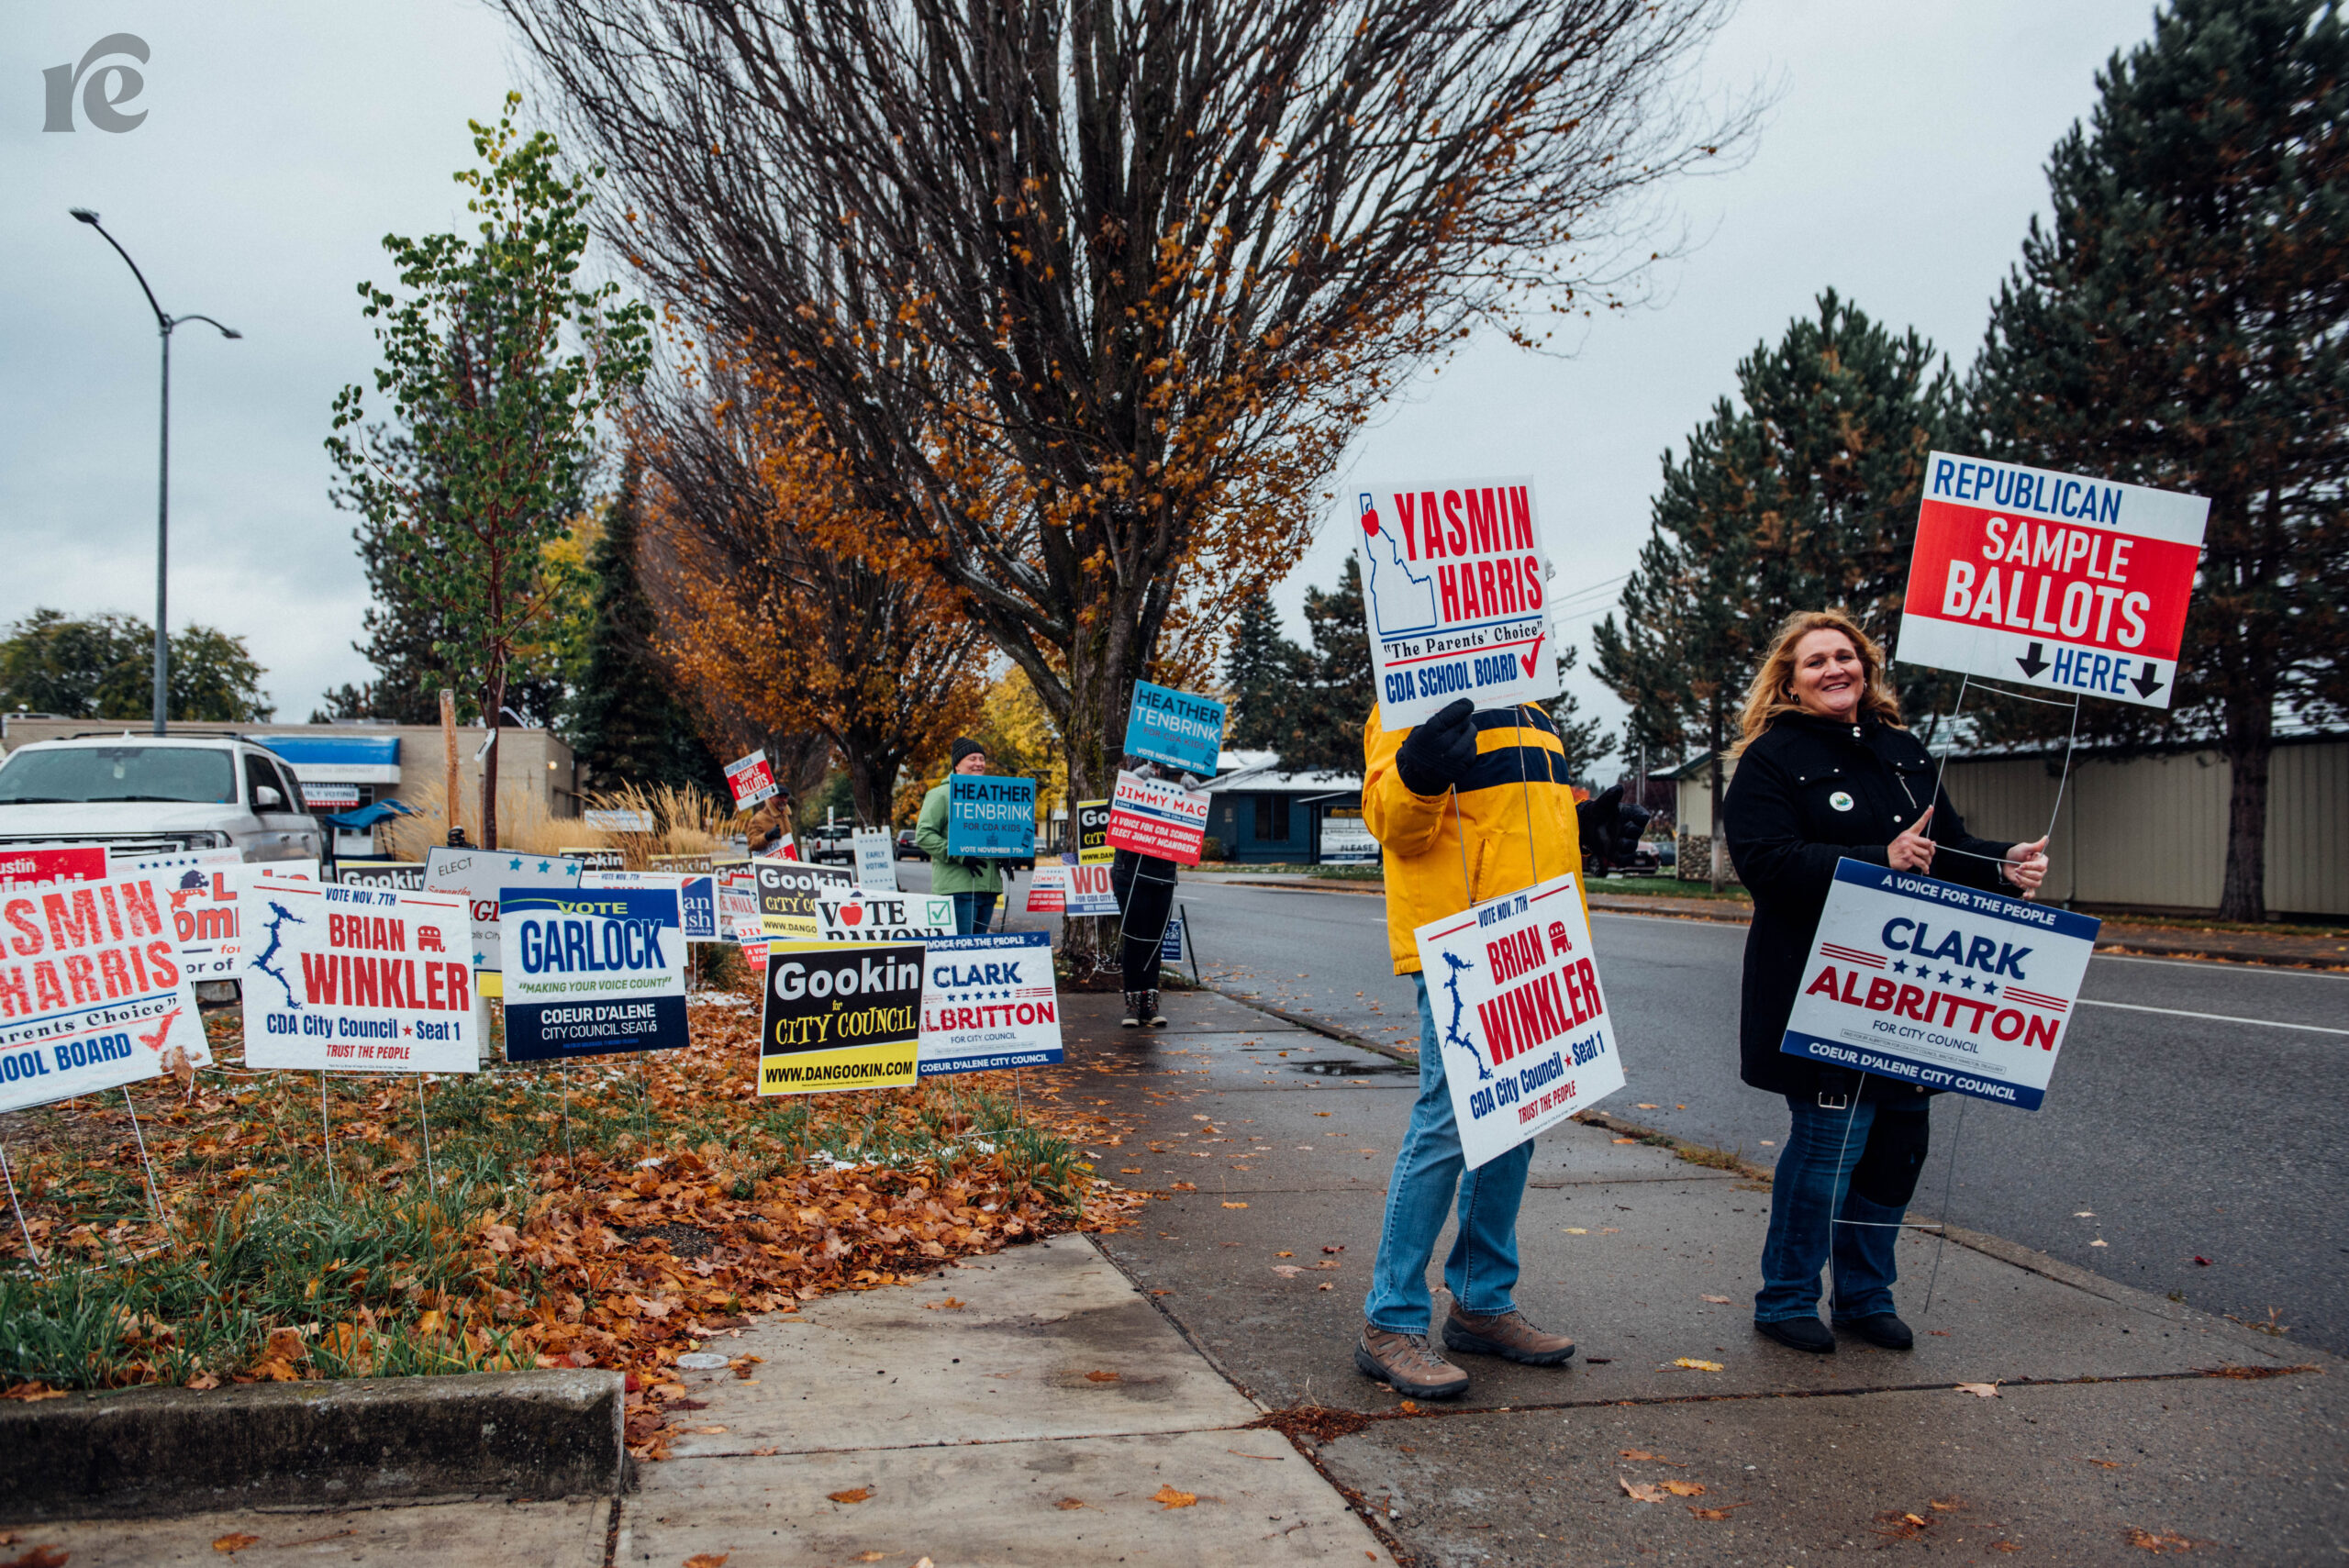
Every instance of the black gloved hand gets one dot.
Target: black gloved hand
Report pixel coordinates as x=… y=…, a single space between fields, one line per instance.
x=1440 y=750
x=1610 y=827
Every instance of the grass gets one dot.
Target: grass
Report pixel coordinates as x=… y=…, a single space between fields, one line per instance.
x=546 y=1215
x=1670 y=887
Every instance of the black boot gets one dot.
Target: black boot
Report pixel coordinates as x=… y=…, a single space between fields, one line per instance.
x=1884 y=1329
x=1800 y=1334
x=1134 y=1014
x=1149 y=1013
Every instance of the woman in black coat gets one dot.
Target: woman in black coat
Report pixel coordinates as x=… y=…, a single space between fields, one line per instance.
x=1825 y=772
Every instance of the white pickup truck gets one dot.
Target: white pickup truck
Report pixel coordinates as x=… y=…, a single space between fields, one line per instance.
x=144 y=794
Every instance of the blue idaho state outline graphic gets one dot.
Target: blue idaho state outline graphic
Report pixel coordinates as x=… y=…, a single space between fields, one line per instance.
x=1452 y=1035
x=280 y=915
x=1401 y=601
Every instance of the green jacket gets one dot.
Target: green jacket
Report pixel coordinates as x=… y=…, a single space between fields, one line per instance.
x=929 y=837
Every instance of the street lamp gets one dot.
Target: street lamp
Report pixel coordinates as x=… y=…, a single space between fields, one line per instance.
x=164 y=324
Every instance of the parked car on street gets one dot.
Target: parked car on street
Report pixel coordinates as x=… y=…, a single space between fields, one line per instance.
x=144 y=794
x=829 y=845
x=906 y=849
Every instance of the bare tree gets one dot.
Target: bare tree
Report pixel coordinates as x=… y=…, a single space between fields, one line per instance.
x=1091 y=296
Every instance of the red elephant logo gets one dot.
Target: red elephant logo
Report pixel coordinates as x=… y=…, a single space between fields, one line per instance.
x=1559 y=941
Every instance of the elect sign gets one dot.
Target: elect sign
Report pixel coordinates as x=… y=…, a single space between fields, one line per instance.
x=2050 y=578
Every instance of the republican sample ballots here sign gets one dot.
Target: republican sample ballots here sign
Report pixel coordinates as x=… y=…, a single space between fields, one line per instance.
x=844 y=1016
x=1525 y=1033
x=1453 y=579
x=92 y=994
x=1912 y=977
x=593 y=971
x=358 y=980
x=2051 y=580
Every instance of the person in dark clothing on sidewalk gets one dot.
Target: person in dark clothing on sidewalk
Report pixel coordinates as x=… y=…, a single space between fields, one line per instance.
x=1144 y=886
x=1824 y=772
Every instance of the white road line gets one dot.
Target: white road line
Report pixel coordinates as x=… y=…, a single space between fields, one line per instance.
x=2214 y=1017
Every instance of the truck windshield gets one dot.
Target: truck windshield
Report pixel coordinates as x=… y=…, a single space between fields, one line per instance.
x=118 y=772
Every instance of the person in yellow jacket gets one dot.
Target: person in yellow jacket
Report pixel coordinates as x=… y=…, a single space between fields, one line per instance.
x=1467 y=805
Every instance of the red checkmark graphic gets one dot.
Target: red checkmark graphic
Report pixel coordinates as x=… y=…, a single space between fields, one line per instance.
x=1528 y=660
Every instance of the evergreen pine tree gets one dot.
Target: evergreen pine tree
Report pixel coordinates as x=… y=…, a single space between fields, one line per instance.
x=1803 y=498
x=626 y=724
x=1584 y=741
x=1338 y=690
x=1260 y=671
x=2180 y=324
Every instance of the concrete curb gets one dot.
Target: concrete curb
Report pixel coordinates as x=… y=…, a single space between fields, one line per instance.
x=1338 y=1032
x=145 y=1451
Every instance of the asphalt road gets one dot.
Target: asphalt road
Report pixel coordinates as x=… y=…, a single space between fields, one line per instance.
x=2167 y=1138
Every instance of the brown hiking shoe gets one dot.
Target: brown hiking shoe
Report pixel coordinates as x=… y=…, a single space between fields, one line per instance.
x=1508 y=1336
x=1406 y=1363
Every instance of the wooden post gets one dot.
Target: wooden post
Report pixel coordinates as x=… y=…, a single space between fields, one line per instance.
x=448 y=753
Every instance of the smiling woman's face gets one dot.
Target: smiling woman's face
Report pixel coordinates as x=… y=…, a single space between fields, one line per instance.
x=1828 y=674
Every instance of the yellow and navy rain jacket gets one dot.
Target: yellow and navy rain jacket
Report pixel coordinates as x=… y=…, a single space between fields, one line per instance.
x=1509 y=824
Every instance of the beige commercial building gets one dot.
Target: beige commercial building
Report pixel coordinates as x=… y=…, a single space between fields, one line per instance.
x=343 y=767
x=2148 y=833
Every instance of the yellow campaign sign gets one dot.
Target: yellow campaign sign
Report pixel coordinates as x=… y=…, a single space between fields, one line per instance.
x=1093 y=833
x=841 y=1016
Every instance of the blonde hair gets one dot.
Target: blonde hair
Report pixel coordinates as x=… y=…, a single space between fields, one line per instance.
x=1773 y=690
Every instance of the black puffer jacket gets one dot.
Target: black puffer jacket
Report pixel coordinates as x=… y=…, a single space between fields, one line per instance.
x=1808 y=793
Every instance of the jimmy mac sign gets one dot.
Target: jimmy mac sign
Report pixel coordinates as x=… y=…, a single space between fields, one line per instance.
x=1943 y=985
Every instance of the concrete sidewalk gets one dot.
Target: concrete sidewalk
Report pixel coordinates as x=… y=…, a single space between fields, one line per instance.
x=1079 y=1401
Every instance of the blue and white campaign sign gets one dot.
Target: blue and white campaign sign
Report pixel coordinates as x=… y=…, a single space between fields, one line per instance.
x=358 y=980
x=1947 y=986
x=1526 y=1035
x=210 y=891
x=592 y=969
x=987 y=1003
x=697 y=895
x=1170 y=946
x=1454 y=579
x=876 y=861
x=990 y=818
x=1177 y=728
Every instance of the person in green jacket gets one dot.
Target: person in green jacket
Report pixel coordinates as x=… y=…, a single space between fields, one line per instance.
x=975 y=883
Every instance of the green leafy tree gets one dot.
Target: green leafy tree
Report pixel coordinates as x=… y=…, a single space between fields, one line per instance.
x=102 y=667
x=497 y=363
x=1804 y=497
x=2180 y=323
x=626 y=721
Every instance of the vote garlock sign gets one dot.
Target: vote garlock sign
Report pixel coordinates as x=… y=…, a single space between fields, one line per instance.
x=2051 y=580
x=1951 y=987
x=1453 y=577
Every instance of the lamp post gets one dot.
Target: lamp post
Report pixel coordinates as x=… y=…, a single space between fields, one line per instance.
x=164 y=324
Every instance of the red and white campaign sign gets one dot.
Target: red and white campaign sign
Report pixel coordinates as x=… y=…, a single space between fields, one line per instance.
x=1454 y=581
x=37 y=868
x=1153 y=816
x=92 y=994
x=2051 y=580
x=751 y=780
x=1090 y=891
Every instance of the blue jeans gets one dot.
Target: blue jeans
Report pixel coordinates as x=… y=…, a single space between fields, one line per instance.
x=1814 y=1182
x=1480 y=1270
x=972 y=912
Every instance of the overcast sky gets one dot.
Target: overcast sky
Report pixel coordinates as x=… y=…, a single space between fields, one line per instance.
x=1899 y=165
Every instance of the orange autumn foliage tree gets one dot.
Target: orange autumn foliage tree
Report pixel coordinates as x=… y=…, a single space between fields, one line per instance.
x=782 y=599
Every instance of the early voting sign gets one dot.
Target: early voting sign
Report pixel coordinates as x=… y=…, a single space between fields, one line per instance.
x=592 y=971
x=1524 y=1029
x=877 y=861
x=360 y=980
x=990 y=818
x=1154 y=817
x=479 y=877
x=1175 y=728
x=845 y=1016
x=2051 y=580
x=92 y=993
x=987 y=1003
x=751 y=780
x=1453 y=578
x=1915 y=978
